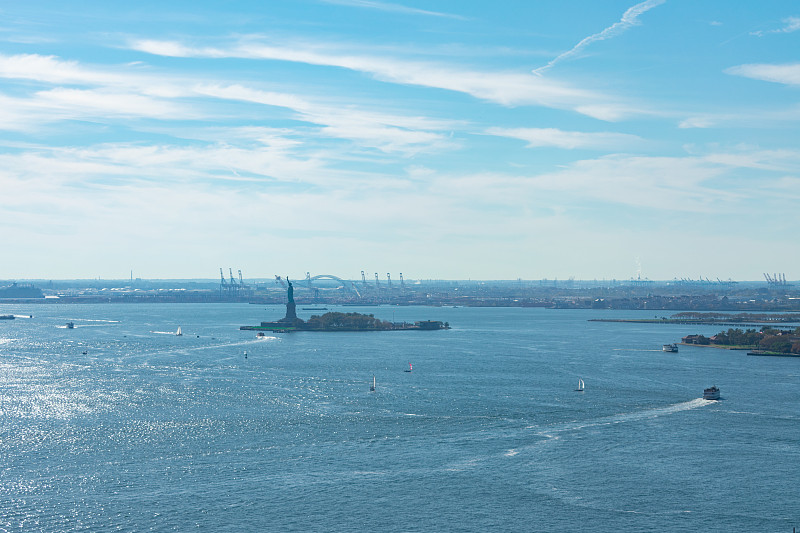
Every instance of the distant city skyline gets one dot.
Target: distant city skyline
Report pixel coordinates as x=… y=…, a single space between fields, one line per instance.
x=455 y=140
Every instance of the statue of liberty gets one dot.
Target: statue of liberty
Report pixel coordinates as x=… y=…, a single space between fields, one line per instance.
x=291 y=313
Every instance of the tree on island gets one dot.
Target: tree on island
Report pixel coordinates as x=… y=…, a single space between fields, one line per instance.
x=737 y=337
x=335 y=320
x=775 y=344
x=768 y=339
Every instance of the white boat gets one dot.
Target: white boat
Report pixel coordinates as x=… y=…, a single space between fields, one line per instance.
x=179 y=332
x=670 y=347
x=372 y=389
x=711 y=394
x=580 y=386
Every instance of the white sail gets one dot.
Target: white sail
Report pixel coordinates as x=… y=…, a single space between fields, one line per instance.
x=373 y=384
x=580 y=385
x=178 y=333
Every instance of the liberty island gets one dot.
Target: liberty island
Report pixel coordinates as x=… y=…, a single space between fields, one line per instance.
x=335 y=321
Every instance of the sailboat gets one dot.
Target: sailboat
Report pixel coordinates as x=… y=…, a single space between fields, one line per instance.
x=410 y=368
x=179 y=332
x=580 y=386
x=372 y=389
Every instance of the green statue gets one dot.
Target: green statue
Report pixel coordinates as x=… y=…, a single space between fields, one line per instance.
x=290 y=292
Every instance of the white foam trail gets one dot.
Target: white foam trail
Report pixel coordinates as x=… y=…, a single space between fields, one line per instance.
x=624 y=417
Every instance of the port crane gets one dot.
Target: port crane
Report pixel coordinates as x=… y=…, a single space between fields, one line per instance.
x=355 y=289
x=776 y=280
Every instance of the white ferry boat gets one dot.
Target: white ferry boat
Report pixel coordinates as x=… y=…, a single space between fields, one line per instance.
x=711 y=394
x=670 y=347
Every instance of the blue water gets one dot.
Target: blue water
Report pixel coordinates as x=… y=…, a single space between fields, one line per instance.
x=148 y=431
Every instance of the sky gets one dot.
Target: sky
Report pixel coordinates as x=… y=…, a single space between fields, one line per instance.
x=442 y=140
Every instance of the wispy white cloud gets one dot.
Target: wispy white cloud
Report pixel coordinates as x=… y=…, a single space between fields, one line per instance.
x=790 y=25
x=199 y=193
x=778 y=161
x=104 y=93
x=543 y=137
x=505 y=88
x=390 y=7
x=75 y=103
x=716 y=182
x=51 y=69
x=788 y=74
x=384 y=131
x=629 y=18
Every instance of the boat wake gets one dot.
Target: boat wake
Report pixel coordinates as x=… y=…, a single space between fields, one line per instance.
x=553 y=431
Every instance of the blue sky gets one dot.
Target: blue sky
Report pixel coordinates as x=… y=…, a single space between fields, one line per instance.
x=518 y=139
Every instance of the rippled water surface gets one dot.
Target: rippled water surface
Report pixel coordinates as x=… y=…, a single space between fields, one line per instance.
x=119 y=424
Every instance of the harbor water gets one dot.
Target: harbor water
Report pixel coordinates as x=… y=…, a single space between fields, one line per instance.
x=119 y=424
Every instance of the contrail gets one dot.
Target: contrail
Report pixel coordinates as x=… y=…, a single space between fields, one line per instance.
x=629 y=18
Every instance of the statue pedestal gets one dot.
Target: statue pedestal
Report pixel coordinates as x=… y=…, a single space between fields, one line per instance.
x=291 y=314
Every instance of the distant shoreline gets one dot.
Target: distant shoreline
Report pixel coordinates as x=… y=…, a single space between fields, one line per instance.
x=690 y=322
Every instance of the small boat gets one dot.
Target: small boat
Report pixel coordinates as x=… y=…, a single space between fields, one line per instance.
x=372 y=389
x=410 y=368
x=670 y=347
x=711 y=394
x=70 y=325
x=179 y=332
x=580 y=386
